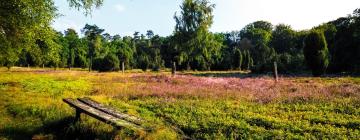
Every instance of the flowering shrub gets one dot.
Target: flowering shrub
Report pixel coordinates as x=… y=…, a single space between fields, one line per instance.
x=198 y=107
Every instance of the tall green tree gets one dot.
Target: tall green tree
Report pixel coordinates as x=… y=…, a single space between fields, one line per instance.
x=283 y=39
x=22 y=22
x=150 y=34
x=346 y=49
x=316 y=52
x=93 y=35
x=246 y=32
x=155 y=52
x=287 y=44
x=356 y=17
x=192 y=37
x=73 y=41
x=259 y=34
x=124 y=51
x=225 y=58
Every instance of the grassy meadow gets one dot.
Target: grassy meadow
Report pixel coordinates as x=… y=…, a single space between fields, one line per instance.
x=214 y=105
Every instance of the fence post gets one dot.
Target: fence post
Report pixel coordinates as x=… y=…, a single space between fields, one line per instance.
x=123 y=67
x=173 y=70
x=275 y=72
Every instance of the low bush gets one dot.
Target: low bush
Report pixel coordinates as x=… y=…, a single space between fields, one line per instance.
x=109 y=63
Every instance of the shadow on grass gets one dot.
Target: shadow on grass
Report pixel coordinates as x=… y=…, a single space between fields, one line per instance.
x=59 y=129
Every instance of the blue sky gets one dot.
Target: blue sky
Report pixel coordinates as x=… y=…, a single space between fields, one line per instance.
x=124 y=17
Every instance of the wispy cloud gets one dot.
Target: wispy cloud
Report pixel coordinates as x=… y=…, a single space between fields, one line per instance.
x=119 y=7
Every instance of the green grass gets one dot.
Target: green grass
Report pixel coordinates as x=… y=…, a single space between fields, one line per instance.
x=183 y=106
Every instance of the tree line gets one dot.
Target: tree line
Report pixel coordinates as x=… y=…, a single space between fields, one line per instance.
x=332 y=47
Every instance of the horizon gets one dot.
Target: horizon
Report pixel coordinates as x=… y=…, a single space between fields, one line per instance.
x=128 y=16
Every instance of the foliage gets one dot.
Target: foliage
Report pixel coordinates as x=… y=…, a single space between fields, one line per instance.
x=109 y=63
x=259 y=34
x=74 y=44
x=316 y=52
x=22 y=22
x=86 y=5
x=196 y=45
x=124 y=51
x=247 y=31
x=32 y=42
x=283 y=39
x=92 y=33
x=286 y=42
x=344 y=46
x=238 y=60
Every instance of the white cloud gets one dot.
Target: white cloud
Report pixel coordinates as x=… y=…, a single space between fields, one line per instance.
x=64 y=24
x=119 y=8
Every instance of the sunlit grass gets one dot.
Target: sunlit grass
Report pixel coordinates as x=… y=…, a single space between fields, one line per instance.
x=199 y=107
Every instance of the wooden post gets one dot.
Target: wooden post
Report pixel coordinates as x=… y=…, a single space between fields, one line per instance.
x=90 y=63
x=43 y=66
x=173 y=70
x=123 y=67
x=275 y=72
x=77 y=115
x=28 y=66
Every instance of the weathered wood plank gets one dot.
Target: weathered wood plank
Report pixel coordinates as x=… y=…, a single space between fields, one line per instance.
x=98 y=114
x=111 y=111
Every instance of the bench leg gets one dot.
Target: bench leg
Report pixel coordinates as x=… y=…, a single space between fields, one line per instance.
x=77 y=115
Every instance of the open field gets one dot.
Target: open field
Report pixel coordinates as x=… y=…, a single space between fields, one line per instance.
x=230 y=107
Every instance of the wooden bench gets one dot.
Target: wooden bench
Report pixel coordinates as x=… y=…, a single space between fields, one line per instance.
x=103 y=113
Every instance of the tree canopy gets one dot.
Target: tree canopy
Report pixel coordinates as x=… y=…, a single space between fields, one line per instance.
x=22 y=22
x=196 y=45
x=86 y=5
x=316 y=52
x=26 y=38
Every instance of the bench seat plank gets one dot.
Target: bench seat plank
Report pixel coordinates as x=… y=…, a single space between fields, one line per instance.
x=110 y=111
x=98 y=114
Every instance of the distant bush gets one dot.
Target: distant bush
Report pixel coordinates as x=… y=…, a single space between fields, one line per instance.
x=288 y=63
x=109 y=63
x=316 y=52
x=143 y=62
